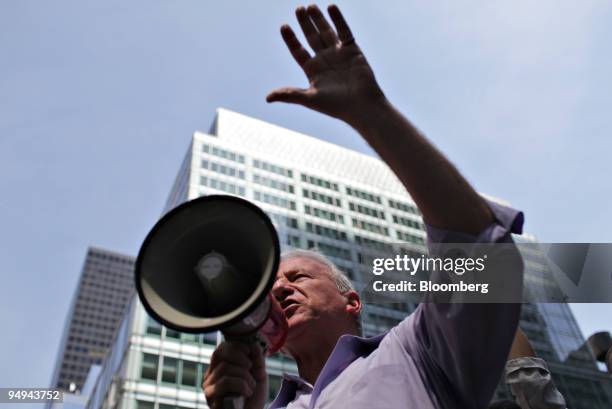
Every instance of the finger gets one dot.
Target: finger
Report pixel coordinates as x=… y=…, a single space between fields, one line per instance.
x=344 y=32
x=238 y=345
x=327 y=34
x=296 y=49
x=259 y=362
x=227 y=385
x=233 y=352
x=227 y=369
x=289 y=95
x=310 y=31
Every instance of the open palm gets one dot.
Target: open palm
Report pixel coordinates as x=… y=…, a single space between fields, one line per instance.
x=341 y=80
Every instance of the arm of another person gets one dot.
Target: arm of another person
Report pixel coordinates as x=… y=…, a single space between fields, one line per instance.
x=470 y=341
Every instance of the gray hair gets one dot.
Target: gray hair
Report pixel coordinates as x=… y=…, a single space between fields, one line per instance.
x=343 y=284
x=340 y=279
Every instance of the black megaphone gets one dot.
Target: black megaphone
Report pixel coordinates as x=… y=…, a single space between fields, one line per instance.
x=208 y=265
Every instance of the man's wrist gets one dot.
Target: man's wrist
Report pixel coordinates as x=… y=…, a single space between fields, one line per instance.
x=365 y=116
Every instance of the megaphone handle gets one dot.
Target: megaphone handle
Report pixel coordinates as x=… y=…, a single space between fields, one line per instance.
x=237 y=401
x=233 y=402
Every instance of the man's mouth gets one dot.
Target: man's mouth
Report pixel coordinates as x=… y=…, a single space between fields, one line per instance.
x=289 y=307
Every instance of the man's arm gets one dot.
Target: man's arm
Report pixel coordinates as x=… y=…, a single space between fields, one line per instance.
x=343 y=86
x=460 y=349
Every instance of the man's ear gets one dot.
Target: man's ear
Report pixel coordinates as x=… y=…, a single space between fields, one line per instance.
x=353 y=303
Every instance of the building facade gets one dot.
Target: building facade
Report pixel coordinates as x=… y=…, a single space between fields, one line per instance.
x=105 y=288
x=346 y=204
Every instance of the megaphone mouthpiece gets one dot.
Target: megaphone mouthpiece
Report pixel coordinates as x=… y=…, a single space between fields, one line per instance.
x=211 y=266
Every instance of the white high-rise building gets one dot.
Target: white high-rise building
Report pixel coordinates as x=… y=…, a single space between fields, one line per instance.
x=318 y=194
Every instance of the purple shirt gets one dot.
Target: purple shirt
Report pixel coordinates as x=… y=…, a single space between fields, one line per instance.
x=426 y=361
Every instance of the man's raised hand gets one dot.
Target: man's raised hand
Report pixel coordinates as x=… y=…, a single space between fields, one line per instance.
x=341 y=81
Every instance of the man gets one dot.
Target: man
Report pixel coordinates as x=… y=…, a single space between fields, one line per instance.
x=442 y=355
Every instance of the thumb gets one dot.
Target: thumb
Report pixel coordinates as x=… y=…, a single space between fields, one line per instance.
x=289 y=95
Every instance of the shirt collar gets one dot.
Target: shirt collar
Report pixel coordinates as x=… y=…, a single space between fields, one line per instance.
x=347 y=349
x=300 y=383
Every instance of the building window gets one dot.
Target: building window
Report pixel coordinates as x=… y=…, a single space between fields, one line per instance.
x=149 y=366
x=222 y=153
x=210 y=338
x=272 y=183
x=320 y=197
x=170 y=333
x=144 y=404
x=189 y=376
x=374 y=244
x=222 y=169
x=411 y=238
x=153 y=327
x=269 y=167
x=324 y=214
x=189 y=337
x=221 y=185
x=383 y=321
x=274 y=200
x=407 y=222
x=169 y=370
x=294 y=241
x=284 y=220
x=371 y=227
x=330 y=250
x=320 y=182
x=326 y=231
x=363 y=195
x=368 y=211
x=404 y=207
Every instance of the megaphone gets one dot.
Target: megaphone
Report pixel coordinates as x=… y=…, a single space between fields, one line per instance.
x=209 y=264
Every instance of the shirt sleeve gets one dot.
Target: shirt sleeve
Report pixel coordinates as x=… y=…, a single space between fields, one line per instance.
x=462 y=348
x=531 y=384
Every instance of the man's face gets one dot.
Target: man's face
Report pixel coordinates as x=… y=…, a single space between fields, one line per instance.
x=308 y=296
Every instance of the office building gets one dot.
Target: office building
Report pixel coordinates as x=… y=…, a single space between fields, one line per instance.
x=346 y=204
x=105 y=287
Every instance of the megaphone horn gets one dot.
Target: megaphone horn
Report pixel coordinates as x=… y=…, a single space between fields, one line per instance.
x=209 y=264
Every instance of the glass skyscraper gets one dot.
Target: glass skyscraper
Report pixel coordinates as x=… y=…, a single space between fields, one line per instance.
x=319 y=195
x=105 y=287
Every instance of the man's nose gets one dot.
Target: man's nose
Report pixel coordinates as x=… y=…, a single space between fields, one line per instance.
x=280 y=289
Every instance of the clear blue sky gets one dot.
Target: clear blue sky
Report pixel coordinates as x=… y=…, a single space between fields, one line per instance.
x=98 y=101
